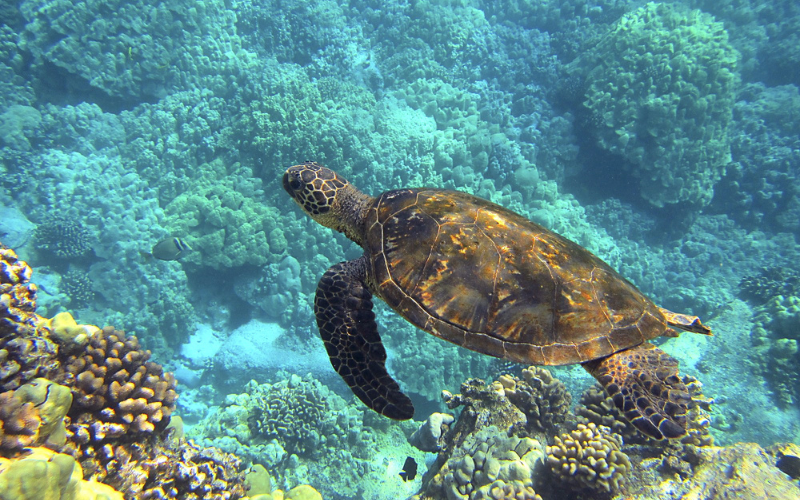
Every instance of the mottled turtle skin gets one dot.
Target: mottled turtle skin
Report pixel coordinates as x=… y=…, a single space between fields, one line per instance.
x=487 y=279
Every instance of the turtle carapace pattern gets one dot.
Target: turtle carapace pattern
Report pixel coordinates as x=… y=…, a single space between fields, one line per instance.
x=485 y=278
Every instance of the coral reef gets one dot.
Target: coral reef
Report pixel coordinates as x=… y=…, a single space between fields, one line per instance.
x=775 y=336
x=173 y=470
x=299 y=429
x=660 y=93
x=487 y=465
x=768 y=283
x=63 y=236
x=764 y=149
x=481 y=454
x=19 y=423
x=542 y=398
x=589 y=457
x=33 y=415
x=225 y=222
x=110 y=412
x=112 y=379
x=585 y=459
x=77 y=285
x=744 y=471
x=17 y=294
x=292 y=412
x=44 y=474
x=131 y=57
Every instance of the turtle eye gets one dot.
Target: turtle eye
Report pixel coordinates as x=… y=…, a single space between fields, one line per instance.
x=292 y=183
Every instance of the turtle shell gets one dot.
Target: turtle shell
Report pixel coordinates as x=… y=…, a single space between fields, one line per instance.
x=486 y=278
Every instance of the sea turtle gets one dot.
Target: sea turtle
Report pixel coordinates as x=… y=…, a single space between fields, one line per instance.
x=485 y=278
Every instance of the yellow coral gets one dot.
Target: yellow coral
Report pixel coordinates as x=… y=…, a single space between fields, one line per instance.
x=302 y=492
x=258 y=481
x=66 y=330
x=590 y=457
x=46 y=475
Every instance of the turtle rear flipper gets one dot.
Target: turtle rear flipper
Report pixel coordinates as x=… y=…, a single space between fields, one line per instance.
x=643 y=381
x=343 y=307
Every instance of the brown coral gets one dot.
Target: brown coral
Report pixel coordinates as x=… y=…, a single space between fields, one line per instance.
x=33 y=415
x=17 y=294
x=117 y=426
x=19 y=423
x=500 y=490
x=117 y=390
x=162 y=470
x=543 y=398
x=24 y=352
x=589 y=456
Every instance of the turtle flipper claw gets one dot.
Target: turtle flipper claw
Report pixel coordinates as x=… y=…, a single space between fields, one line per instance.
x=343 y=307
x=643 y=381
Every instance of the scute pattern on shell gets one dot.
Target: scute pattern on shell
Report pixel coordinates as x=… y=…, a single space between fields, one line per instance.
x=487 y=279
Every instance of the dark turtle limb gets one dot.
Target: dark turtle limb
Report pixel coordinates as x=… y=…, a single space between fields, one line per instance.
x=343 y=307
x=643 y=381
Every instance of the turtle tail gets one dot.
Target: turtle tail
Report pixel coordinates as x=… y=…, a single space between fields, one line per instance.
x=343 y=307
x=644 y=384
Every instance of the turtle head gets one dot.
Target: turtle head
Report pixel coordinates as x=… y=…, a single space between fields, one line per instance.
x=326 y=197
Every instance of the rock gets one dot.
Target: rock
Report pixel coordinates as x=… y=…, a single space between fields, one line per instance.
x=743 y=471
x=15 y=228
x=427 y=437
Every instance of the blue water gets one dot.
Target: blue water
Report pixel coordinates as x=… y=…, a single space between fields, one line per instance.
x=664 y=138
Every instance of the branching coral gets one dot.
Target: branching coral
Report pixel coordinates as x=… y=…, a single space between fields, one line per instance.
x=589 y=456
x=172 y=470
x=299 y=414
x=768 y=283
x=77 y=285
x=117 y=390
x=63 y=237
x=24 y=352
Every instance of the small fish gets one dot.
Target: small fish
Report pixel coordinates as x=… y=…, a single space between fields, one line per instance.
x=170 y=249
x=409 y=471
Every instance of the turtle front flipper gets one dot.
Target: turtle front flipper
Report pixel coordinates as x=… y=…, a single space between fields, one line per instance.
x=343 y=307
x=643 y=381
